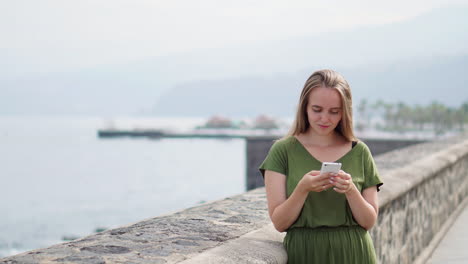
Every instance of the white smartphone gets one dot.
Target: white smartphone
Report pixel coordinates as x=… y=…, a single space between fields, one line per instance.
x=333 y=167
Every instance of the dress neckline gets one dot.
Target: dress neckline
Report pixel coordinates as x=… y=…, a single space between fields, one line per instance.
x=314 y=158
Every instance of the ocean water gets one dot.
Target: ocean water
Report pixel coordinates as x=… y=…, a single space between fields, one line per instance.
x=58 y=179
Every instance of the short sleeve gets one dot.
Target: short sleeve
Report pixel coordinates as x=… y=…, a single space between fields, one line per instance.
x=276 y=160
x=371 y=177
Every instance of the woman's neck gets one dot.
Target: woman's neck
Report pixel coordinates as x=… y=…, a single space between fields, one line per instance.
x=313 y=139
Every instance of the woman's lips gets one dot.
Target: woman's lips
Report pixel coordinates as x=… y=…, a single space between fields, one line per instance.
x=322 y=126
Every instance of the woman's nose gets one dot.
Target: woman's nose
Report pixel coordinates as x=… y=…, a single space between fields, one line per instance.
x=324 y=117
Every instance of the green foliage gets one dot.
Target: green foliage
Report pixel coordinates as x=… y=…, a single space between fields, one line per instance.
x=100 y=229
x=400 y=117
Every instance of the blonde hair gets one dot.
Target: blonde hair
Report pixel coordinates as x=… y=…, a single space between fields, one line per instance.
x=332 y=80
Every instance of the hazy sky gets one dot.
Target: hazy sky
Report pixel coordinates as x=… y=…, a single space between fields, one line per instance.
x=53 y=35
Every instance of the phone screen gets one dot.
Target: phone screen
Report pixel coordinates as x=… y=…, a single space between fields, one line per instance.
x=333 y=167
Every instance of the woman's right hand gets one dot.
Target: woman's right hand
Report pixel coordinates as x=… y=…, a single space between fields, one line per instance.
x=313 y=181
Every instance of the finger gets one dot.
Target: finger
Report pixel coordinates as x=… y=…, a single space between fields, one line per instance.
x=314 y=172
x=345 y=176
x=323 y=184
x=317 y=184
x=325 y=181
x=327 y=184
x=344 y=182
x=319 y=177
x=325 y=187
x=322 y=176
x=337 y=179
x=339 y=190
x=332 y=181
x=341 y=181
x=341 y=186
x=319 y=188
x=336 y=184
x=340 y=173
x=315 y=181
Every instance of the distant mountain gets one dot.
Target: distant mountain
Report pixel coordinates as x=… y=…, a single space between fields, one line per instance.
x=368 y=57
x=443 y=79
x=89 y=92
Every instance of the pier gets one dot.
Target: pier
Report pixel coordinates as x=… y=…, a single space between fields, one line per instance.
x=205 y=133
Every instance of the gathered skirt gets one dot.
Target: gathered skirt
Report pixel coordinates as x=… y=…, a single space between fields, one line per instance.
x=332 y=245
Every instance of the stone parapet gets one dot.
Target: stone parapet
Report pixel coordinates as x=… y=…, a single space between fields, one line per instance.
x=164 y=239
x=424 y=184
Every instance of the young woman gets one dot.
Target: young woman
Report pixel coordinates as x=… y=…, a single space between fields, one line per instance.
x=326 y=216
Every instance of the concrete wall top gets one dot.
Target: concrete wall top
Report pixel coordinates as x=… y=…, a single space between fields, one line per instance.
x=402 y=169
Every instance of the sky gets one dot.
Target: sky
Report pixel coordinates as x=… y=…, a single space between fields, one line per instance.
x=61 y=35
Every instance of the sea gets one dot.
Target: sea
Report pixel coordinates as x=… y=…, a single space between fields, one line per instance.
x=59 y=180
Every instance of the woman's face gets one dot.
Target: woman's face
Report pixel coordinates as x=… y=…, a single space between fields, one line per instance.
x=324 y=110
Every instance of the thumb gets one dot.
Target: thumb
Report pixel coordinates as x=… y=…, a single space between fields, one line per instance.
x=314 y=173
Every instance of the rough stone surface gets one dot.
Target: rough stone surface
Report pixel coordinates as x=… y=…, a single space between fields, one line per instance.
x=260 y=246
x=424 y=184
x=165 y=239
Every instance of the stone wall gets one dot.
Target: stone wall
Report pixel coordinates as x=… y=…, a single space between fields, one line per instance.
x=424 y=184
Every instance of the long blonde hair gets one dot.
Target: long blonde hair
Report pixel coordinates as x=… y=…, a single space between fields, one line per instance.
x=333 y=80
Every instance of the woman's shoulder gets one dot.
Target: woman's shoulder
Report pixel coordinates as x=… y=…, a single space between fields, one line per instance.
x=284 y=143
x=361 y=147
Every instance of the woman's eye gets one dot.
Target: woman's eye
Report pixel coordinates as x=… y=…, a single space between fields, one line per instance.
x=316 y=111
x=334 y=113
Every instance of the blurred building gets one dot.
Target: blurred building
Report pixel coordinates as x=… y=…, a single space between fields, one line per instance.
x=265 y=122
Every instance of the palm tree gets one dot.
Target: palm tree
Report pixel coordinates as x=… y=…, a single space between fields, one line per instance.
x=419 y=117
x=461 y=116
x=377 y=109
x=389 y=116
x=363 y=116
x=403 y=116
x=439 y=114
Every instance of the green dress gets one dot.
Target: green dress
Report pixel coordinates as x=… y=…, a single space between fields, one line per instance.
x=325 y=231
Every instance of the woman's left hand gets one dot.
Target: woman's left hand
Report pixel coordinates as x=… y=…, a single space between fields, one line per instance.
x=342 y=181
